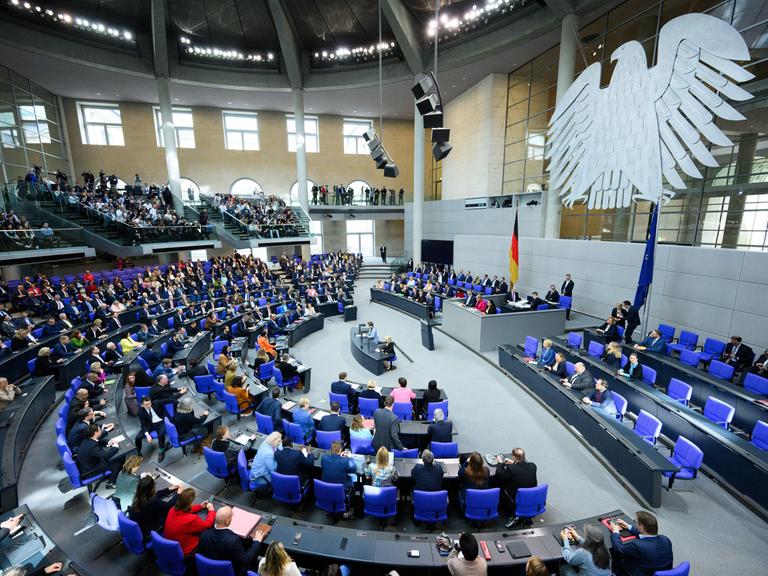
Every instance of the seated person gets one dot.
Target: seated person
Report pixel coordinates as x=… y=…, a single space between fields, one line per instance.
x=427 y=476
x=163 y=393
x=609 y=331
x=222 y=442
x=287 y=369
x=272 y=407
x=647 y=554
x=547 y=357
x=481 y=305
x=591 y=557
x=263 y=342
x=512 y=475
x=472 y=474
x=402 y=393
x=535 y=301
x=653 y=343
x=261 y=358
x=150 y=507
x=295 y=462
x=221 y=543
x=632 y=368
x=558 y=367
x=381 y=473
x=303 y=418
x=601 y=398
x=333 y=421
x=370 y=391
x=128 y=344
x=737 y=354
x=186 y=422
x=358 y=430
x=244 y=398
x=223 y=361
x=387 y=348
x=92 y=384
x=8 y=392
x=183 y=523
x=341 y=386
x=127 y=481
x=465 y=558
x=553 y=296
x=264 y=462
x=339 y=468
x=441 y=430
x=580 y=380
x=612 y=355
x=97 y=455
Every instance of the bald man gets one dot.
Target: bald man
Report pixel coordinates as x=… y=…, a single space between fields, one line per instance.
x=220 y=543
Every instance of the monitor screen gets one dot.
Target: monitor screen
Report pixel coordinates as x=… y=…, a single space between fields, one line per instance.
x=437 y=251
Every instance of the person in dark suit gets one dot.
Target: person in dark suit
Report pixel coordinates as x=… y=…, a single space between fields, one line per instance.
x=220 y=543
x=737 y=354
x=427 y=476
x=294 y=462
x=149 y=507
x=646 y=554
x=272 y=407
x=149 y=422
x=337 y=467
x=187 y=422
x=441 y=430
x=535 y=301
x=113 y=323
x=609 y=331
x=558 y=368
x=387 y=427
x=63 y=349
x=652 y=343
x=566 y=289
x=111 y=354
x=552 y=296
x=512 y=475
x=370 y=392
x=334 y=421
x=632 y=368
x=95 y=456
x=341 y=386
x=470 y=300
x=163 y=393
x=79 y=432
x=581 y=381
x=222 y=442
x=632 y=316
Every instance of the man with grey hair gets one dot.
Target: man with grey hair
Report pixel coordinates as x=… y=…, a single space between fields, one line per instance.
x=441 y=430
x=580 y=381
x=221 y=543
x=427 y=476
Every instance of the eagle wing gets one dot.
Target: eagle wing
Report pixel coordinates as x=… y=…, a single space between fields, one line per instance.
x=694 y=75
x=570 y=136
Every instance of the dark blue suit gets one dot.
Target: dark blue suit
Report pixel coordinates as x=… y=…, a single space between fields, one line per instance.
x=331 y=423
x=336 y=469
x=273 y=408
x=223 y=544
x=440 y=431
x=642 y=556
x=293 y=463
x=427 y=478
x=654 y=344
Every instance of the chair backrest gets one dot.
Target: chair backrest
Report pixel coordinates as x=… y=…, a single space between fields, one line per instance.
x=574 y=338
x=482 y=504
x=361 y=445
x=680 y=391
x=367 y=406
x=286 y=488
x=242 y=471
x=542 y=307
x=714 y=347
x=719 y=412
x=31 y=365
x=444 y=449
x=430 y=506
x=649 y=375
x=756 y=384
x=408 y=453
x=688 y=339
x=596 y=349
x=342 y=399
x=208 y=567
x=264 y=423
x=170 y=558
x=432 y=406
x=172 y=433
x=71 y=469
x=720 y=370
x=265 y=370
x=531 y=346
x=294 y=431
x=330 y=497
x=380 y=502
x=105 y=512
x=325 y=439
x=403 y=410
x=141 y=391
x=204 y=384
x=230 y=402
x=682 y=569
x=667 y=332
x=690 y=357
x=216 y=462
x=570 y=368
x=621 y=405
x=531 y=502
x=760 y=435
x=565 y=302
x=218 y=346
x=687 y=455
x=648 y=427
x=133 y=539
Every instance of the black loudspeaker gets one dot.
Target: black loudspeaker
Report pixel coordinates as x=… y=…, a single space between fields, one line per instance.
x=369 y=135
x=424 y=86
x=427 y=104
x=382 y=162
x=378 y=153
x=441 y=135
x=391 y=171
x=433 y=120
x=441 y=150
x=373 y=144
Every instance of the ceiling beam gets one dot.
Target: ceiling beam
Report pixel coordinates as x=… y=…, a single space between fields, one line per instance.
x=289 y=45
x=406 y=30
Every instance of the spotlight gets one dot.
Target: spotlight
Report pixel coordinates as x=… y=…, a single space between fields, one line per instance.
x=441 y=134
x=369 y=135
x=440 y=150
x=429 y=103
x=382 y=162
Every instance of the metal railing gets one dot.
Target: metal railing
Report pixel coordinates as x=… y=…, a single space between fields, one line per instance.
x=21 y=239
x=265 y=231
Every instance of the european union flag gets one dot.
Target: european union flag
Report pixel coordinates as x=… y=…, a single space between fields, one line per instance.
x=646 y=271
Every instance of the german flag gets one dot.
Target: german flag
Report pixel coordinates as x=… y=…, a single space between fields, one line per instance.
x=514 y=258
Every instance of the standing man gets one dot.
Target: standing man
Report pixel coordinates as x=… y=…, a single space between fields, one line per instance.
x=567 y=290
x=632 y=317
x=383 y=252
x=387 y=427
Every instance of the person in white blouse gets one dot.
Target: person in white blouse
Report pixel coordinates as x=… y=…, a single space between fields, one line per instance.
x=276 y=562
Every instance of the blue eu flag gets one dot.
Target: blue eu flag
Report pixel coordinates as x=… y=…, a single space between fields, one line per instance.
x=646 y=271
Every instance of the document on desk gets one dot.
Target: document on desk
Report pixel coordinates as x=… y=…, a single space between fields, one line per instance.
x=243 y=522
x=319 y=414
x=118 y=439
x=288 y=405
x=301 y=369
x=243 y=439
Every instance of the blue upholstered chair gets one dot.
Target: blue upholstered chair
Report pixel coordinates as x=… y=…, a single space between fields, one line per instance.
x=430 y=507
x=680 y=391
x=361 y=445
x=718 y=412
x=403 y=410
x=648 y=427
x=756 y=384
x=444 y=449
x=342 y=399
x=432 y=406
x=686 y=456
x=531 y=347
x=574 y=338
x=367 y=406
x=530 y=502
x=760 y=435
x=682 y=569
x=169 y=557
x=325 y=439
x=720 y=370
x=208 y=567
x=288 y=489
x=330 y=497
x=380 y=502
x=621 y=405
x=264 y=423
x=596 y=349
x=482 y=505
x=133 y=539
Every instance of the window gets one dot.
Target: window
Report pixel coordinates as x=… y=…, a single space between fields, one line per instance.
x=311 y=133
x=182 y=124
x=360 y=237
x=354 y=143
x=185 y=185
x=198 y=255
x=357 y=187
x=9 y=133
x=245 y=187
x=34 y=123
x=100 y=124
x=316 y=233
x=293 y=195
x=241 y=130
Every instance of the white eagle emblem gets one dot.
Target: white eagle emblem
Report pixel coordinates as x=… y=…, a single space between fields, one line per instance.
x=615 y=144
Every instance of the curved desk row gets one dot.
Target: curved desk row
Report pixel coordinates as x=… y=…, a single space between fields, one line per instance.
x=415 y=309
x=731 y=459
x=303 y=327
x=748 y=407
x=365 y=352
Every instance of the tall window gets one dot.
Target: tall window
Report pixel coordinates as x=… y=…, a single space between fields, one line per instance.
x=100 y=124
x=34 y=123
x=311 y=133
x=360 y=237
x=357 y=187
x=294 y=193
x=9 y=133
x=316 y=232
x=354 y=143
x=183 y=125
x=241 y=130
x=245 y=186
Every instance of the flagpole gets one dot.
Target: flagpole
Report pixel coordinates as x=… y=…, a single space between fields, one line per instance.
x=647 y=305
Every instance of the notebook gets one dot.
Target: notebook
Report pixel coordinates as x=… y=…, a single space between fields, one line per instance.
x=243 y=522
x=518 y=549
x=319 y=414
x=288 y=405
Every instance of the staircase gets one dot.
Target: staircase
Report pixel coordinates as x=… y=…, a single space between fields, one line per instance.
x=376 y=271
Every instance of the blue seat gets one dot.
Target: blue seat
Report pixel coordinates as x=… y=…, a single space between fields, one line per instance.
x=265 y=371
x=61 y=444
x=713 y=348
x=621 y=405
x=720 y=370
x=430 y=507
x=330 y=497
x=760 y=435
x=31 y=365
x=232 y=404
x=667 y=332
x=682 y=569
x=242 y=471
x=367 y=406
x=482 y=505
x=439 y=304
x=718 y=412
x=680 y=391
x=294 y=432
x=211 y=369
x=280 y=382
x=531 y=502
x=432 y=406
x=686 y=456
x=264 y=423
x=216 y=463
x=403 y=410
x=208 y=567
x=648 y=427
x=169 y=557
x=133 y=540
x=596 y=349
x=204 y=385
x=325 y=439
x=565 y=302
x=444 y=449
x=690 y=358
x=73 y=472
x=574 y=338
x=408 y=453
x=531 y=347
x=756 y=384
x=570 y=368
x=380 y=502
x=173 y=436
x=105 y=511
x=361 y=445
x=75 y=383
x=542 y=307
x=342 y=399
x=287 y=489
x=142 y=391
x=218 y=346
x=649 y=375
x=687 y=341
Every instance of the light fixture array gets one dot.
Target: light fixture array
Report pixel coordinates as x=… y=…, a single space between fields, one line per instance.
x=379 y=154
x=429 y=103
x=358 y=54
x=220 y=54
x=451 y=25
x=73 y=21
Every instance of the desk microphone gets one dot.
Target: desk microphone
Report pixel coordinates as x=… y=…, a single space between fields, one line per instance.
x=304 y=525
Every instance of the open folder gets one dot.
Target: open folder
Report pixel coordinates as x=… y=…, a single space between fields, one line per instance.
x=243 y=522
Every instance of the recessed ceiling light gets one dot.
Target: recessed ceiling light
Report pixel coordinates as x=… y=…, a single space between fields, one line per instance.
x=354 y=111
x=229 y=102
x=175 y=99
x=98 y=93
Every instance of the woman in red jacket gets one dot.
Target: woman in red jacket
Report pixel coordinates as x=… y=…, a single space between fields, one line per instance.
x=184 y=525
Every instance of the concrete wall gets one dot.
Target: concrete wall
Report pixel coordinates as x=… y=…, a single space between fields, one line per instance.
x=334 y=235
x=477 y=121
x=214 y=168
x=391 y=234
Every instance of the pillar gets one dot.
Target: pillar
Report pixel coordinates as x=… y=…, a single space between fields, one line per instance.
x=418 y=186
x=301 y=152
x=744 y=164
x=565 y=70
x=12 y=272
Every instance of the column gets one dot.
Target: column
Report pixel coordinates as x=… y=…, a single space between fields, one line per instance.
x=744 y=164
x=418 y=185
x=301 y=152
x=565 y=70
